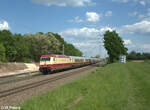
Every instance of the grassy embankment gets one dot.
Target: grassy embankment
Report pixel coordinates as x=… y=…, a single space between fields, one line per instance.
x=114 y=87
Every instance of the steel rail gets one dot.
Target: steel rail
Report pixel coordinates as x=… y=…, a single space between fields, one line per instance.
x=19 y=79
x=25 y=73
x=15 y=90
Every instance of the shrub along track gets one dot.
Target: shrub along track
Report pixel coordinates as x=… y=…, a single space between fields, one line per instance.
x=19 y=89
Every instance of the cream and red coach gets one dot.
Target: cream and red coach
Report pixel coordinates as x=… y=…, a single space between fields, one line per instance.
x=53 y=62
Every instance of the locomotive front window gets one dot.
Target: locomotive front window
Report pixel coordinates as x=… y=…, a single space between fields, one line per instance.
x=45 y=59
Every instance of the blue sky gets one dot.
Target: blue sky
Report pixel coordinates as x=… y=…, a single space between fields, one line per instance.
x=81 y=22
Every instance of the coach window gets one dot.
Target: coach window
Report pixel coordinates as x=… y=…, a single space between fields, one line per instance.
x=53 y=59
x=48 y=59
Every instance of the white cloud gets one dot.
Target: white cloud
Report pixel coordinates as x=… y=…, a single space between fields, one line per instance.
x=148 y=9
x=88 y=40
x=142 y=28
x=123 y=1
x=139 y=47
x=81 y=32
x=85 y=32
x=148 y=14
x=76 y=19
x=145 y=46
x=142 y=3
x=91 y=48
x=92 y=16
x=88 y=47
x=64 y=2
x=4 y=25
x=141 y=16
x=88 y=43
x=104 y=29
x=133 y=13
x=127 y=41
x=108 y=13
x=145 y=16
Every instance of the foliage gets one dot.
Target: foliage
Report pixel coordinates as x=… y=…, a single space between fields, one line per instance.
x=114 y=46
x=29 y=47
x=41 y=44
x=21 y=48
x=6 y=38
x=97 y=56
x=69 y=49
x=138 y=56
x=2 y=53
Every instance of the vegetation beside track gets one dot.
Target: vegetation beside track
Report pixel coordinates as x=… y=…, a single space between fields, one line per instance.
x=114 y=87
x=29 y=47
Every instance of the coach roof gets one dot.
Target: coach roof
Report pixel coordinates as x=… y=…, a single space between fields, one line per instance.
x=54 y=55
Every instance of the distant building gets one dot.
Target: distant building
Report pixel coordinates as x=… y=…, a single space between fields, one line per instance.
x=123 y=59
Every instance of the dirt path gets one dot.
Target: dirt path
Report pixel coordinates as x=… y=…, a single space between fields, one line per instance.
x=17 y=68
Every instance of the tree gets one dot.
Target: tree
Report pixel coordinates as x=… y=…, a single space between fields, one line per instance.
x=54 y=44
x=2 y=53
x=61 y=41
x=40 y=44
x=132 y=55
x=138 y=56
x=69 y=49
x=97 y=56
x=6 y=38
x=21 y=48
x=114 y=46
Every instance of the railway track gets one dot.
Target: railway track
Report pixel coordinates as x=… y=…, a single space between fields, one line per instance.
x=22 y=88
x=18 y=77
x=25 y=73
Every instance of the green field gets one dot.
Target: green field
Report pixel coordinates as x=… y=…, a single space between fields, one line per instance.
x=115 y=87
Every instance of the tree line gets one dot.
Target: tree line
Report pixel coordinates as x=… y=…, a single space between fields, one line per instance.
x=138 y=56
x=29 y=47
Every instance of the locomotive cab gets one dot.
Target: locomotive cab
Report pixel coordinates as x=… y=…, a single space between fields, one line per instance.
x=45 y=62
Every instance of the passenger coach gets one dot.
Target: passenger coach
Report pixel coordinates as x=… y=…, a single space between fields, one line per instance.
x=49 y=63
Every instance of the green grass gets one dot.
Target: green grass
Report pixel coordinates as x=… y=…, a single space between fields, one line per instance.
x=114 y=87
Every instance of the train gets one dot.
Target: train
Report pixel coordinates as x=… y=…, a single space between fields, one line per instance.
x=52 y=62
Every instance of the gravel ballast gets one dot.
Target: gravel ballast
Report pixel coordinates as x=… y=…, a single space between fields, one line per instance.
x=20 y=97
